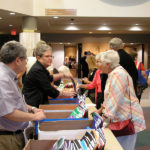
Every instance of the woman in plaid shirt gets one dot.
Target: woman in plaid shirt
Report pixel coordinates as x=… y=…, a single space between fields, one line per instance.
x=120 y=102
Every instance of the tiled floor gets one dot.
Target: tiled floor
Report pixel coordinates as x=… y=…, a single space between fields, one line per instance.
x=143 y=139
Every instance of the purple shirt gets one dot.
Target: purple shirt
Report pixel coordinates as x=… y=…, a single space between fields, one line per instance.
x=10 y=99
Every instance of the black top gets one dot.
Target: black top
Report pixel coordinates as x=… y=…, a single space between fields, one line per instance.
x=37 y=86
x=85 y=67
x=126 y=61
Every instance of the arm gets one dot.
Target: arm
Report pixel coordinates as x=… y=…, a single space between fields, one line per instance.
x=20 y=116
x=93 y=84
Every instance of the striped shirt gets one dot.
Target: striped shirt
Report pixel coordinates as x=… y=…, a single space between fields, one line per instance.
x=120 y=101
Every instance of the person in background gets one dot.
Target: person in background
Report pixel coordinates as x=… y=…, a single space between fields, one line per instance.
x=66 y=62
x=126 y=60
x=91 y=62
x=148 y=81
x=84 y=66
x=142 y=77
x=14 y=112
x=140 y=66
x=95 y=84
x=120 y=102
x=37 y=84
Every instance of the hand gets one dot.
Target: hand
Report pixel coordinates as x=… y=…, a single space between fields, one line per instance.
x=85 y=80
x=39 y=116
x=35 y=110
x=69 y=93
x=68 y=75
x=78 y=86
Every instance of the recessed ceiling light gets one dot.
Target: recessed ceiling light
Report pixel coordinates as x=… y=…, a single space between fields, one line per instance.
x=12 y=13
x=10 y=25
x=135 y=29
x=1 y=18
x=105 y=28
x=90 y=32
x=72 y=28
x=55 y=17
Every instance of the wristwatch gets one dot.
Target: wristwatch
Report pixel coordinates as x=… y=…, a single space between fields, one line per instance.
x=32 y=108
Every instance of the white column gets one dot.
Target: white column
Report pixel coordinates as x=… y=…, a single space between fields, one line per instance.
x=29 y=37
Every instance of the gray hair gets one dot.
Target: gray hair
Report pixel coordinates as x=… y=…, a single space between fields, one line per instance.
x=40 y=49
x=116 y=43
x=98 y=56
x=11 y=50
x=110 y=57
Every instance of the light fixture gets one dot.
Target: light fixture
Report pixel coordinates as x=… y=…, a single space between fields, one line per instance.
x=1 y=18
x=10 y=25
x=135 y=28
x=72 y=28
x=12 y=13
x=105 y=28
x=136 y=24
x=55 y=17
x=90 y=32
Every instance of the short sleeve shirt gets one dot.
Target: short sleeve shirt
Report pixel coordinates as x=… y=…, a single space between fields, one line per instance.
x=10 y=99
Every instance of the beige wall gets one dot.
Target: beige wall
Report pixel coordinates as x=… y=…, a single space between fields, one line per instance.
x=20 y=6
x=70 y=51
x=97 y=8
x=102 y=8
x=94 y=47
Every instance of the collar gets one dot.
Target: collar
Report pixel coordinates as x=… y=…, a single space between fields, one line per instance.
x=10 y=72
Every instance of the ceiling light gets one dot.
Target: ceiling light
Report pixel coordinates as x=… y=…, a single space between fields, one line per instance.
x=71 y=28
x=10 y=25
x=135 y=29
x=60 y=43
x=1 y=18
x=12 y=13
x=90 y=32
x=55 y=17
x=136 y=24
x=105 y=28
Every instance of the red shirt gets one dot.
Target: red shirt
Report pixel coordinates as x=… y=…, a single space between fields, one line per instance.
x=96 y=83
x=139 y=66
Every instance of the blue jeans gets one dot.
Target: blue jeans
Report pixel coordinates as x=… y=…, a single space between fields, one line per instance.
x=127 y=142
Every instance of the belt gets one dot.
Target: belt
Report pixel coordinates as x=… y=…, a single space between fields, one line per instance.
x=10 y=132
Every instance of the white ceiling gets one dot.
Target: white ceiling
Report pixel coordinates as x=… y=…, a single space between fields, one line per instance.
x=48 y=24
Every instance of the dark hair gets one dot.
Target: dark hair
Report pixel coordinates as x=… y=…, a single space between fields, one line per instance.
x=85 y=53
x=11 y=50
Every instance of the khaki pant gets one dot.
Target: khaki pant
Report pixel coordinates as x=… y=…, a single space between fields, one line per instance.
x=12 y=142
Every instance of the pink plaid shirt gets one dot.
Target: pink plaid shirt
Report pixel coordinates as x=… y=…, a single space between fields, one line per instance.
x=120 y=101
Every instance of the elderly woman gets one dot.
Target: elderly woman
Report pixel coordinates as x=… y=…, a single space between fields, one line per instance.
x=95 y=84
x=120 y=102
x=37 y=85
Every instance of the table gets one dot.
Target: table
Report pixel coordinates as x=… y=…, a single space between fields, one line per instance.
x=111 y=141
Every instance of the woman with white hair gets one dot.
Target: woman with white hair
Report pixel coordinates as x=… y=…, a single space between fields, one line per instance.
x=120 y=102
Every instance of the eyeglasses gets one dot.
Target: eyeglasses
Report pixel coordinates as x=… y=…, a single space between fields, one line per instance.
x=24 y=58
x=48 y=56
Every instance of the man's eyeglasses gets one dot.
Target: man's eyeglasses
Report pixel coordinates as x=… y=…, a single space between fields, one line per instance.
x=24 y=58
